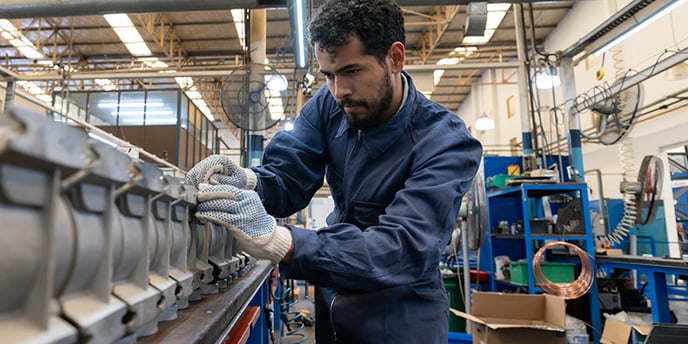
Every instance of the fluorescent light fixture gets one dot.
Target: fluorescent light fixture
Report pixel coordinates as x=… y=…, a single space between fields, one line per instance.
x=102 y=139
x=106 y=84
x=465 y=51
x=436 y=76
x=19 y=41
x=448 y=61
x=153 y=62
x=138 y=49
x=110 y=105
x=164 y=120
x=639 y=26
x=118 y=20
x=184 y=82
x=300 y=36
x=193 y=94
x=128 y=34
x=238 y=19
x=495 y=14
x=140 y=113
x=484 y=123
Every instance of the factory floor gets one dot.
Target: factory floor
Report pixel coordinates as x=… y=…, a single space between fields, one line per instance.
x=305 y=305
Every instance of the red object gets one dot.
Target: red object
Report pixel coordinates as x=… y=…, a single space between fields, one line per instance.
x=242 y=328
x=481 y=278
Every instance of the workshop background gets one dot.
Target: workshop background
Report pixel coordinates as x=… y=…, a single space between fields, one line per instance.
x=580 y=205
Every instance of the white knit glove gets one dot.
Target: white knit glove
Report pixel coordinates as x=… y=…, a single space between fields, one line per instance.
x=242 y=212
x=220 y=169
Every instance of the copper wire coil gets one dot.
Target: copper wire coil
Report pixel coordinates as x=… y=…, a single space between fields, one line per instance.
x=568 y=291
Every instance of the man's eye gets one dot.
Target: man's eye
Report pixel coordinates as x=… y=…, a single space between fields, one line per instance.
x=352 y=71
x=329 y=76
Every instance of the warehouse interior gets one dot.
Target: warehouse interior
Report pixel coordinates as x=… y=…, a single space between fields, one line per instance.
x=580 y=203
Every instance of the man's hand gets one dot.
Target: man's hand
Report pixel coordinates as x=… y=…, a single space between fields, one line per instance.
x=242 y=212
x=220 y=169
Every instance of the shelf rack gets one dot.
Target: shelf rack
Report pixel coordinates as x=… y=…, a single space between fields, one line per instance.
x=528 y=201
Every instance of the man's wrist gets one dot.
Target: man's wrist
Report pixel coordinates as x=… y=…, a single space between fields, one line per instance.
x=251 y=179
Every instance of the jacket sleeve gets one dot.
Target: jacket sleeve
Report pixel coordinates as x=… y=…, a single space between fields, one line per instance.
x=293 y=166
x=414 y=229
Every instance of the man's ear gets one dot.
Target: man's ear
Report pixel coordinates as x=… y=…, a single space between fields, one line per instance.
x=397 y=56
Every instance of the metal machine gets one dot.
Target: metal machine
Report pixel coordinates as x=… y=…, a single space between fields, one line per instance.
x=95 y=246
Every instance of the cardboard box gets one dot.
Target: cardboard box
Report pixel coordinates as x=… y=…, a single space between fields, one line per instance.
x=517 y=318
x=617 y=332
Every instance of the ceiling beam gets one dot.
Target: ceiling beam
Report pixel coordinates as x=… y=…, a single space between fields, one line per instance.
x=13 y=9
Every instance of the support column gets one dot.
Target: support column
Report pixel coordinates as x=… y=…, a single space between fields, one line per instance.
x=529 y=160
x=258 y=37
x=573 y=135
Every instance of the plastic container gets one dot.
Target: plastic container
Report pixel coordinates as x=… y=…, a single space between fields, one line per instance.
x=555 y=272
x=460 y=338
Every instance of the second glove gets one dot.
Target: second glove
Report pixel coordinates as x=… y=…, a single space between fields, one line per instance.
x=242 y=212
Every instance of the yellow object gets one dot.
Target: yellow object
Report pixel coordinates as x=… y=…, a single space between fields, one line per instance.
x=600 y=74
x=514 y=170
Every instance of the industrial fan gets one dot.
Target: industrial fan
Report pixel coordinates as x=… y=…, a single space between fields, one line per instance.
x=253 y=96
x=475 y=204
x=614 y=115
x=641 y=198
x=476 y=225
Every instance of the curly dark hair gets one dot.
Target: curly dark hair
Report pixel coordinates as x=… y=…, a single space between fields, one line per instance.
x=378 y=23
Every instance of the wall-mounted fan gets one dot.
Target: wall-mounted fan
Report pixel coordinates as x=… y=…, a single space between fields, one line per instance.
x=614 y=115
x=641 y=198
x=254 y=96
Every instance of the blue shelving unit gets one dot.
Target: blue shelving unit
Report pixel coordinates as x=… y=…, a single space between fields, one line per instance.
x=525 y=202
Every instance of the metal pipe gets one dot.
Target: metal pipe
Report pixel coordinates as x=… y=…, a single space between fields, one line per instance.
x=603 y=202
x=466 y=273
x=171 y=73
x=67 y=8
x=526 y=131
x=12 y=9
x=630 y=81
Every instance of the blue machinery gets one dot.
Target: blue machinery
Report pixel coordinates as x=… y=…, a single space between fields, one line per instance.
x=525 y=201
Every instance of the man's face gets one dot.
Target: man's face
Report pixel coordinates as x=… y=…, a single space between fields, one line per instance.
x=361 y=86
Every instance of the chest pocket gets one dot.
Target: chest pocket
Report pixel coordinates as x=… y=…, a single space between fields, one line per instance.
x=366 y=213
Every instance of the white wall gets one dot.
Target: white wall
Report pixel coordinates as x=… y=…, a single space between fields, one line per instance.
x=653 y=134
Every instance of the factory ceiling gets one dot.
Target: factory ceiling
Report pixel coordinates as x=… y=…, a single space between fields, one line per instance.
x=72 y=46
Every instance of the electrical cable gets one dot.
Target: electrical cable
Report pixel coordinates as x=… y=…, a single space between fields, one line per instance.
x=568 y=291
x=530 y=89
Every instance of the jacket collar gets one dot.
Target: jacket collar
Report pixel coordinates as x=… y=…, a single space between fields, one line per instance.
x=377 y=140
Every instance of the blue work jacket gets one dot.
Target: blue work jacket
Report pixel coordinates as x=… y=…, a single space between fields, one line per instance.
x=397 y=190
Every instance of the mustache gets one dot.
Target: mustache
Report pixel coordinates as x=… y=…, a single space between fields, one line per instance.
x=348 y=101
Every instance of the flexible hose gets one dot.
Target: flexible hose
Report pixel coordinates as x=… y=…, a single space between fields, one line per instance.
x=623 y=228
x=568 y=291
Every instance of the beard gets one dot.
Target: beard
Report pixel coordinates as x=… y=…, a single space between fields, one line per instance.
x=376 y=109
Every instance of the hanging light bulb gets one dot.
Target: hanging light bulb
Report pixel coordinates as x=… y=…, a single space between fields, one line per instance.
x=484 y=123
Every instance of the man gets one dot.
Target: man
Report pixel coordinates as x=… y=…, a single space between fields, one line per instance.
x=397 y=165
